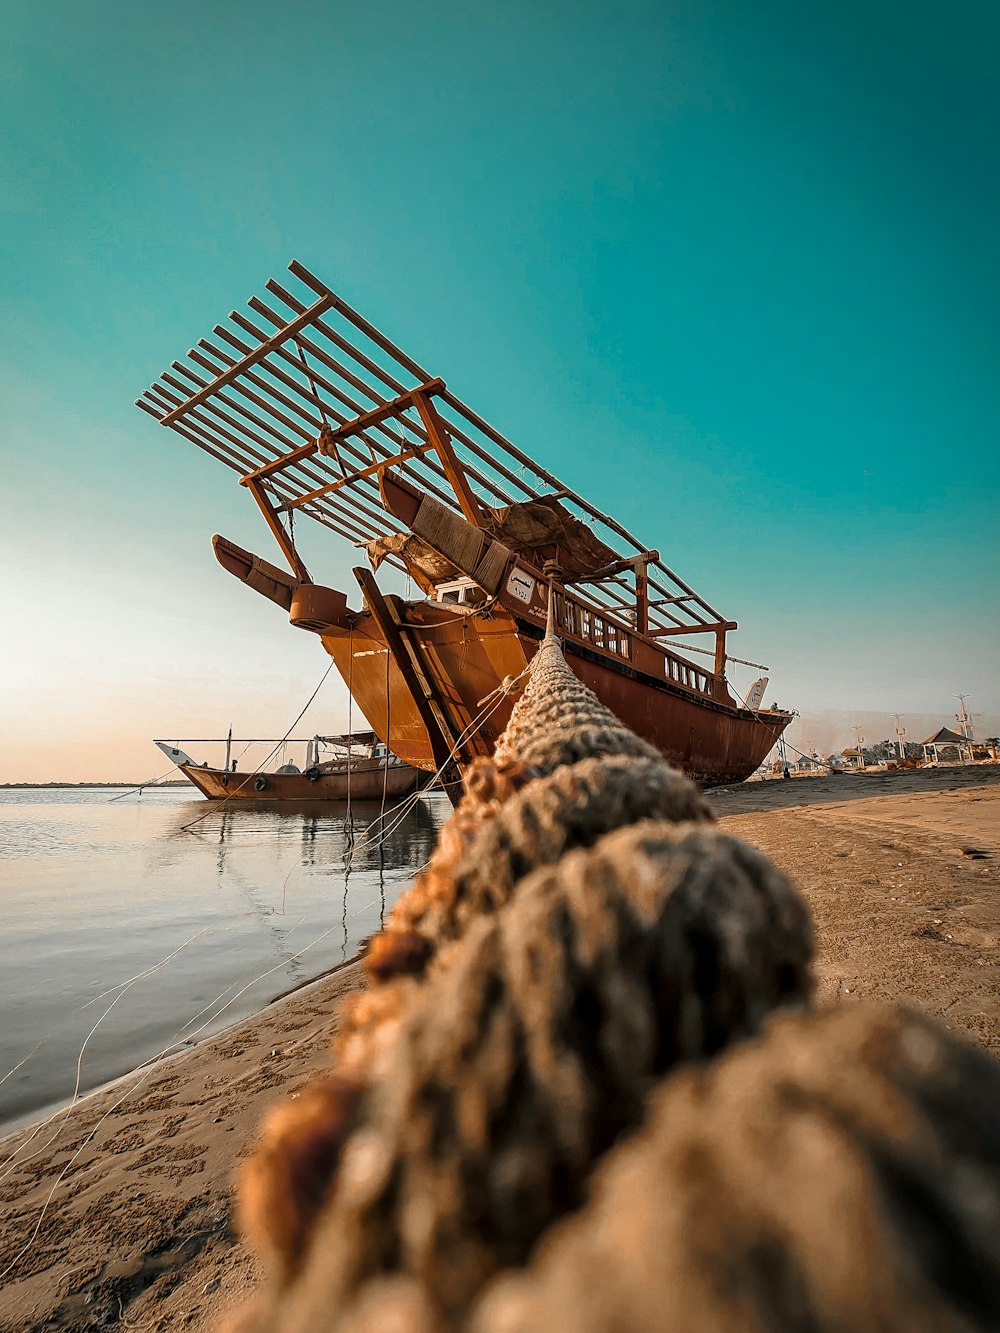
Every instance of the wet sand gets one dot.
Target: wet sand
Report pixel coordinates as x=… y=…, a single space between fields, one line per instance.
x=901 y=871
x=136 y=1234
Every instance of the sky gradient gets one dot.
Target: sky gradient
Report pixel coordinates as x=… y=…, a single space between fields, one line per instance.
x=731 y=270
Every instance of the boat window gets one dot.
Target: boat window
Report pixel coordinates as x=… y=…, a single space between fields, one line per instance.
x=463 y=591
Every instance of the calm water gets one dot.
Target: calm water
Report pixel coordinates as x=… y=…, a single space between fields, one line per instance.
x=230 y=912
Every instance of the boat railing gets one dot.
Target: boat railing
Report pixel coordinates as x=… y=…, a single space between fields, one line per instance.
x=688 y=675
x=579 y=620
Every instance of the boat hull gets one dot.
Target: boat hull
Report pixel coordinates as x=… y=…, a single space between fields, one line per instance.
x=369 y=781
x=714 y=745
x=467 y=658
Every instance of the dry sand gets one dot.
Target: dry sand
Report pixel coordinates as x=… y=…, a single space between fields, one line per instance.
x=900 y=870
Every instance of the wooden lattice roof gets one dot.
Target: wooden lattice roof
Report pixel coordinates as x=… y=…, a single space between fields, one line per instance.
x=265 y=384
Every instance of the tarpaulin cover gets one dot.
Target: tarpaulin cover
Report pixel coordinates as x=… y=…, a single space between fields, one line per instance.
x=543 y=530
x=426 y=566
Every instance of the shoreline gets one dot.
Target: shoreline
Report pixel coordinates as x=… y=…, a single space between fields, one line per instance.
x=90 y=786
x=24 y=1124
x=900 y=871
x=140 y=1175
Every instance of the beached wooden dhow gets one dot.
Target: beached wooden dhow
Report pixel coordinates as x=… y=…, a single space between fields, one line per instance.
x=323 y=417
x=356 y=767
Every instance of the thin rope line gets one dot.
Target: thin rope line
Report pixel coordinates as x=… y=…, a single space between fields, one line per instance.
x=151 y=783
x=64 y=1110
x=153 y=1065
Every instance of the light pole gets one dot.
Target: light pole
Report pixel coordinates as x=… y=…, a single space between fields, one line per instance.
x=965 y=724
x=900 y=733
x=861 y=742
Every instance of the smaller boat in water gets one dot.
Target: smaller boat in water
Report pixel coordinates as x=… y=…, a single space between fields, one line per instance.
x=356 y=767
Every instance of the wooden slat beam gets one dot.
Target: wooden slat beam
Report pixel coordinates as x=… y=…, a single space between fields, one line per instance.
x=278 y=529
x=437 y=434
x=390 y=409
x=258 y=353
x=332 y=486
x=675 y=630
x=355 y=427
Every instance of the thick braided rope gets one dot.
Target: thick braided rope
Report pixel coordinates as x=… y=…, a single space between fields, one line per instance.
x=558 y=720
x=857 y=1153
x=580 y=932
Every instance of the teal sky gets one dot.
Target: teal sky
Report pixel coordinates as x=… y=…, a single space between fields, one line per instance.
x=732 y=269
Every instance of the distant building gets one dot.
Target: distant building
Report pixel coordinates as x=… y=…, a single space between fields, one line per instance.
x=947 y=744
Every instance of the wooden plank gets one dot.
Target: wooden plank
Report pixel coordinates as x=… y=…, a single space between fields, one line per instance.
x=438 y=731
x=355 y=427
x=675 y=630
x=391 y=409
x=415 y=452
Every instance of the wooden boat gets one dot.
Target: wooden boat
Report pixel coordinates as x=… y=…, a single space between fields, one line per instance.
x=356 y=767
x=322 y=416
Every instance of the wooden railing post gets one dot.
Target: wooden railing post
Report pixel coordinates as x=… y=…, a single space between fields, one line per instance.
x=641 y=597
x=720 y=652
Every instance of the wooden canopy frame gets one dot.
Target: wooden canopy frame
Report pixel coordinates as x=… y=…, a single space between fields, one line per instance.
x=309 y=402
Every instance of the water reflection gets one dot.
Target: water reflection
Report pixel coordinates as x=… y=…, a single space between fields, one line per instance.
x=272 y=894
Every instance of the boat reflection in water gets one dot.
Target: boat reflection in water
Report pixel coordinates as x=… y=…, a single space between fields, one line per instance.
x=336 y=840
x=365 y=856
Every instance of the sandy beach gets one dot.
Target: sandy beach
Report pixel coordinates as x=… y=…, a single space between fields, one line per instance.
x=116 y=1214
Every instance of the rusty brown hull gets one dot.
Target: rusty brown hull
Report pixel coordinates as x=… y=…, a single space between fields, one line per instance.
x=713 y=744
x=369 y=780
x=467 y=658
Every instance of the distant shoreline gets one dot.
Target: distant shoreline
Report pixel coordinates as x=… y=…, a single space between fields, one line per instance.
x=31 y=786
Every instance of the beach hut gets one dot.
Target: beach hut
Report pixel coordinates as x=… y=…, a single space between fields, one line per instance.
x=946 y=739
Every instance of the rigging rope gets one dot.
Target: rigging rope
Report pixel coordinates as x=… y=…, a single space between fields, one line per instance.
x=327 y=444
x=312 y=384
x=707 y=652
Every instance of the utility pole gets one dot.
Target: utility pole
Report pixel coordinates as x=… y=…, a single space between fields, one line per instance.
x=900 y=733
x=964 y=721
x=861 y=742
x=782 y=755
